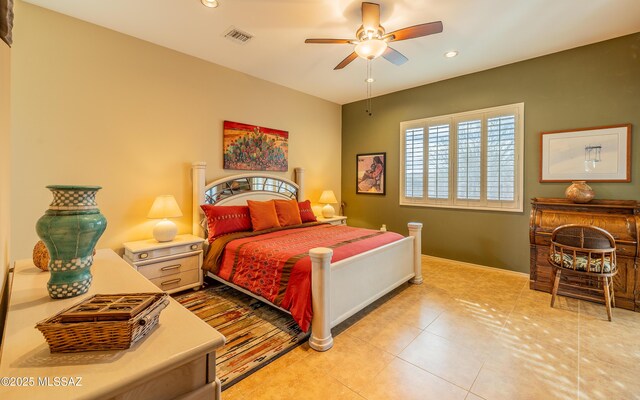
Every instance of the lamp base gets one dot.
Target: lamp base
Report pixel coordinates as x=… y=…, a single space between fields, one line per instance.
x=165 y=231
x=328 y=211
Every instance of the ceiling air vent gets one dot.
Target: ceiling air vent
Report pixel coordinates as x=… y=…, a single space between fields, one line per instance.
x=238 y=36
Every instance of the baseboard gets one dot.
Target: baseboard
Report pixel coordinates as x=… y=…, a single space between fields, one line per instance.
x=467 y=264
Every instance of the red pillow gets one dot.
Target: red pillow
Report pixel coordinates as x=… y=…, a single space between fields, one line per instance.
x=288 y=212
x=226 y=219
x=306 y=213
x=263 y=215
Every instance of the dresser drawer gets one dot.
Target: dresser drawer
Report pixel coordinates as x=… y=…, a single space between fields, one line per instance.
x=173 y=281
x=169 y=266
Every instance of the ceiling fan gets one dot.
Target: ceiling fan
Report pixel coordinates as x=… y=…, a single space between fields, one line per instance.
x=372 y=41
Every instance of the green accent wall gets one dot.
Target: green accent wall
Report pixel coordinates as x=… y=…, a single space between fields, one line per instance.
x=589 y=86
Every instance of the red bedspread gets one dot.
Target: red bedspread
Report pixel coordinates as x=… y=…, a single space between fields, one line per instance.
x=277 y=266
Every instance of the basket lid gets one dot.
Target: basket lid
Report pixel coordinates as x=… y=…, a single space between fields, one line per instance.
x=108 y=307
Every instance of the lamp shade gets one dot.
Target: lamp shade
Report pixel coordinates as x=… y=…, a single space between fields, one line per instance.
x=165 y=206
x=328 y=197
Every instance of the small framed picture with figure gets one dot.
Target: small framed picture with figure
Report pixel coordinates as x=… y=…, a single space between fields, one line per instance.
x=371 y=173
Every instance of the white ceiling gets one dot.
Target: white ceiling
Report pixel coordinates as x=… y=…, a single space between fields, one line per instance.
x=487 y=33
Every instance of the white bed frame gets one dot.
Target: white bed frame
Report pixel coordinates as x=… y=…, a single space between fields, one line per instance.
x=339 y=289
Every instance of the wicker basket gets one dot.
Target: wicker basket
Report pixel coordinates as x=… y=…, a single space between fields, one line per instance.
x=98 y=332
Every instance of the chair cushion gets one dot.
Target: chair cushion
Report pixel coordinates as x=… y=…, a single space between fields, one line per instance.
x=581 y=262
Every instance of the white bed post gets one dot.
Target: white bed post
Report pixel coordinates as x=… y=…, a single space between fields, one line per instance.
x=197 y=175
x=321 y=339
x=299 y=177
x=415 y=231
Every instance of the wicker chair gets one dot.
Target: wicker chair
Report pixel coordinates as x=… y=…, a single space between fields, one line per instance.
x=586 y=251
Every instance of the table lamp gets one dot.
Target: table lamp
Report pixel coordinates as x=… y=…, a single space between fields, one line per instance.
x=165 y=207
x=327 y=197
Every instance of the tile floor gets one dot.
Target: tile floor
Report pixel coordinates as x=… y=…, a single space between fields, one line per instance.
x=465 y=333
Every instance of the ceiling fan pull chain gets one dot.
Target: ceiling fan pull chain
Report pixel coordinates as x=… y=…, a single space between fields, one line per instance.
x=369 y=80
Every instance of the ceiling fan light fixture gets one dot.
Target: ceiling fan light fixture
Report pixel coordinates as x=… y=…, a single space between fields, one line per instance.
x=371 y=48
x=209 y=3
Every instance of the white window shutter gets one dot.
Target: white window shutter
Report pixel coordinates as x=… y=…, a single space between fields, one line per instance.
x=501 y=158
x=469 y=160
x=438 y=162
x=414 y=163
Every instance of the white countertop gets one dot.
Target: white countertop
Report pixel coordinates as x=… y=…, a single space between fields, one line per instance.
x=179 y=338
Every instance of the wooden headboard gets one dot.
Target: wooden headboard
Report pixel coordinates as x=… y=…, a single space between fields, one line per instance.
x=237 y=189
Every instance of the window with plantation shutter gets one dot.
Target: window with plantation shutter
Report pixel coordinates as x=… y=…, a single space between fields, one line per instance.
x=465 y=160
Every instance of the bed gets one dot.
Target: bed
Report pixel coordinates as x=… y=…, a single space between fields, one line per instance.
x=338 y=289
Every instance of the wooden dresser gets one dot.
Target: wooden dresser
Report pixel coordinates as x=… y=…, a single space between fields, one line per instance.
x=621 y=218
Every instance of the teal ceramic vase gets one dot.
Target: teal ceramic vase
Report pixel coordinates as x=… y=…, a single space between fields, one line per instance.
x=70 y=229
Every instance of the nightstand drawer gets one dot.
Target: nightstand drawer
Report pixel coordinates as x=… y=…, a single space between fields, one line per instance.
x=162 y=252
x=177 y=280
x=171 y=266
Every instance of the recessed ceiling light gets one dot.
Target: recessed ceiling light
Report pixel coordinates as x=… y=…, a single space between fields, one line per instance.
x=450 y=54
x=210 y=3
x=369 y=80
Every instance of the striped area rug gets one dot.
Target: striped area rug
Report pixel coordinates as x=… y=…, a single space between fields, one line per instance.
x=256 y=333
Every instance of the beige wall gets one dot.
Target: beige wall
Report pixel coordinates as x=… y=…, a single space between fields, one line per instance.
x=92 y=106
x=5 y=164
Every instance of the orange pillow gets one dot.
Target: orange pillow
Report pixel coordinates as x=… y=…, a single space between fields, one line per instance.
x=263 y=215
x=288 y=212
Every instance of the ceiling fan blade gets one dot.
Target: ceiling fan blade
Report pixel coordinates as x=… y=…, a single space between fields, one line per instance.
x=329 y=41
x=416 y=31
x=370 y=16
x=346 y=61
x=394 y=56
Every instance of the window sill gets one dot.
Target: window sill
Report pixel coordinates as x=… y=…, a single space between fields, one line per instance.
x=519 y=209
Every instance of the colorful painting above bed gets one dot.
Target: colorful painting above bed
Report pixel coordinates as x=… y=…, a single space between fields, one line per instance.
x=254 y=148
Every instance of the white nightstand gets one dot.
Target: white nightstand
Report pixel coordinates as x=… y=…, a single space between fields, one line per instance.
x=335 y=220
x=172 y=266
